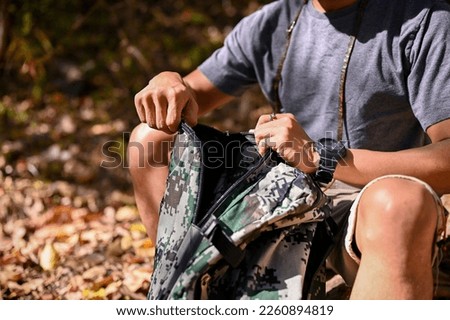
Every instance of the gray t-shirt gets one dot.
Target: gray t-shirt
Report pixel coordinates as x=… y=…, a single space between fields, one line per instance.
x=398 y=81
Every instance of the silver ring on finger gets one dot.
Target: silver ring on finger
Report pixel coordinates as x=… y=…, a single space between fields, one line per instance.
x=272 y=116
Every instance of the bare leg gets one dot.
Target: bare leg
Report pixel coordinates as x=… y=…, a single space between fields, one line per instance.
x=395 y=234
x=148 y=154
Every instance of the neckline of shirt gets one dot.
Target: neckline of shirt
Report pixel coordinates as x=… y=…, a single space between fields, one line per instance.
x=337 y=14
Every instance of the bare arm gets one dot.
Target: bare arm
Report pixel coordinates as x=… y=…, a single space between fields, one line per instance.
x=430 y=163
x=208 y=97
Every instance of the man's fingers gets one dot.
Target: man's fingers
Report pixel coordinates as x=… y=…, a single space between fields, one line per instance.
x=160 y=112
x=174 y=110
x=173 y=117
x=264 y=136
x=190 y=112
x=263 y=119
x=164 y=101
x=177 y=109
x=140 y=111
x=265 y=131
x=266 y=143
x=139 y=106
x=262 y=148
x=149 y=110
x=266 y=118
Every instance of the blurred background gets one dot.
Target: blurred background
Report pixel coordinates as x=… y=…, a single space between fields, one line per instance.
x=69 y=71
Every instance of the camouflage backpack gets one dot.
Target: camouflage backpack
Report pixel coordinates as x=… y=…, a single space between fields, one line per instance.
x=235 y=225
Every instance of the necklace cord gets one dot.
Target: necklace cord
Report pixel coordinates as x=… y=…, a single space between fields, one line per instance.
x=276 y=81
x=343 y=77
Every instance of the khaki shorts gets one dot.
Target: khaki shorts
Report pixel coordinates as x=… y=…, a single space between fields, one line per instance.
x=345 y=258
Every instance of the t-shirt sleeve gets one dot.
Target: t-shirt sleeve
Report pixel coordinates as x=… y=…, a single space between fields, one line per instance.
x=247 y=50
x=429 y=77
x=229 y=67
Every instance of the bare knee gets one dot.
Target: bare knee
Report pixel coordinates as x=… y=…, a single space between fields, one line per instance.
x=395 y=211
x=148 y=148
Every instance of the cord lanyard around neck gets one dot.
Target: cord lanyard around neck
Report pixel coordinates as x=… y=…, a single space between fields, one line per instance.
x=341 y=108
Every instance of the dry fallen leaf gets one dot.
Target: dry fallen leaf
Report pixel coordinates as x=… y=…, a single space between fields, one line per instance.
x=138 y=227
x=94 y=272
x=94 y=295
x=48 y=258
x=10 y=273
x=127 y=213
x=113 y=288
x=114 y=248
x=134 y=278
x=144 y=248
x=102 y=283
x=32 y=285
x=126 y=242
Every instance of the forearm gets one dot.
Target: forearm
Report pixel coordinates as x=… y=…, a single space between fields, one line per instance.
x=208 y=96
x=430 y=164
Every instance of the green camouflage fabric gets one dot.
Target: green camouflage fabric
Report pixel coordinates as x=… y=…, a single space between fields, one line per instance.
x=263 y=211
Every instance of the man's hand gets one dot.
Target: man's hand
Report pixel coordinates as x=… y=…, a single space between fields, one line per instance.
x=163 y=102
x=283 y=134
